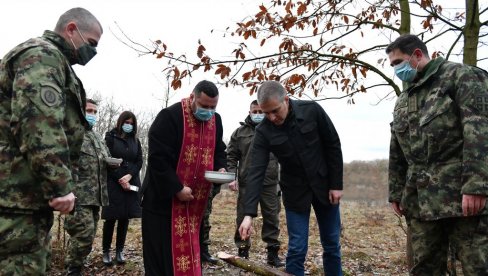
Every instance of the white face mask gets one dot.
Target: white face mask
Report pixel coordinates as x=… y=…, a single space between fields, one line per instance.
x=257 y=118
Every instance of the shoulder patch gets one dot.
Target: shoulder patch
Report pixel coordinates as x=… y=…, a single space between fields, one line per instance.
x=481 y=102
x=50 y=95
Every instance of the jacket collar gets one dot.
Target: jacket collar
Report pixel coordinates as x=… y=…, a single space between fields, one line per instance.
x=248 y=122
x=62 y=44
x=431 y=69
x=297 y=112
x=294 y=113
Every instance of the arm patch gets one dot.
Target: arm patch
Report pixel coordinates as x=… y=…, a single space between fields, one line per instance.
x=481 y=103
x=50 y=95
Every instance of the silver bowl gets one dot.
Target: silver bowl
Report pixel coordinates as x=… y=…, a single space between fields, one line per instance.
x=219 y=177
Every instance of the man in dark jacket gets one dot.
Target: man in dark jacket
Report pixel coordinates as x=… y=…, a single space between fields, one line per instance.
x=303 y=138
x=237 y=159
x=185 y=140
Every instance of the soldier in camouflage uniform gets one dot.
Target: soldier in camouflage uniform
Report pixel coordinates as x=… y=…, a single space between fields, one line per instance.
x=91 y=193
x=42 y=123
x=438 y=172
x=270 y=202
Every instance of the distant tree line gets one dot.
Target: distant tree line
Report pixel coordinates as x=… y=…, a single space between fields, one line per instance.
x=366 y=181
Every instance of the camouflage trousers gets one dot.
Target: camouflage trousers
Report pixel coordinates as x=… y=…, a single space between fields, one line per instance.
x=82 y=227
x=24 y=242
x=431 y=239
x=270 y=205
x=205 y=225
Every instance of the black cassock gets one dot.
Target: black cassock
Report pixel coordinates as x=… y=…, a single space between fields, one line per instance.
x=161 y=184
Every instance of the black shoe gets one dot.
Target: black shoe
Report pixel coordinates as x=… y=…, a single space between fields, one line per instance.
x=243 y=252
x=107 y=259
x=74 y=271
x=119 y=257
x=273 y=258
x=207 y=258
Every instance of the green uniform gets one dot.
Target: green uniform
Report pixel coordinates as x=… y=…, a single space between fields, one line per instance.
x=205 y=225
x=270 y=202
x=91 y=193
x=41 y=131
x=438 y=152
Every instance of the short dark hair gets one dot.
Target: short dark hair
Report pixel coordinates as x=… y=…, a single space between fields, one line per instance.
x=125 y=116
x=255 y=102
x=407 y=43
x=206 y=87
x=92 y=101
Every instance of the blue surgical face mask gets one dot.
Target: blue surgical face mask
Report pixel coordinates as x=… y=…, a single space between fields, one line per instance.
x=204 y=114
x=91 y=119
x=127 y=128
x=257 y=118
x=404 y=70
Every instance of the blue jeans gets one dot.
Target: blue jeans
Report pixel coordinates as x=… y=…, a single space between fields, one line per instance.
x=329 y=222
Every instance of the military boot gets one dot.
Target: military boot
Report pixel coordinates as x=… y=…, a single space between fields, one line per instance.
x=273 y=258
x=243 y=252
x=206 y=257
x=74 y=271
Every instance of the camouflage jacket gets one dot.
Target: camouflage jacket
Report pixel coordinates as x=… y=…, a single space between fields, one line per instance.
x=91 y=188
x=439 y=144
x=42 y=123
x=238 y=151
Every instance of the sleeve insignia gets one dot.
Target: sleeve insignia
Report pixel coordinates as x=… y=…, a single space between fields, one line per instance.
x=481 y=103
x=50 y=96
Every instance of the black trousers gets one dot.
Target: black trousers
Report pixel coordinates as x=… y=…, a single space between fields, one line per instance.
x=108 y=232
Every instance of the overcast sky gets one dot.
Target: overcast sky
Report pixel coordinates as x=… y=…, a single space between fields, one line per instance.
x=137 y=82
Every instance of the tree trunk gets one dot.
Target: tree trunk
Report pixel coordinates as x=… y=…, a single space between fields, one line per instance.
x=471 y=32
x=405 y=26
x=405 y=23
x=257 y=268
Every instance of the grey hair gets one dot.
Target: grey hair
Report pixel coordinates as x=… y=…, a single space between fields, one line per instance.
x=271 y=90
x=83 y=18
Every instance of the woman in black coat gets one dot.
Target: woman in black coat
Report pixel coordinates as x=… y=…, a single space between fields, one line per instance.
x=123 y=202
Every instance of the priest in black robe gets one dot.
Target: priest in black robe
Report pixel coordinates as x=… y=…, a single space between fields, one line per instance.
x=163 y=186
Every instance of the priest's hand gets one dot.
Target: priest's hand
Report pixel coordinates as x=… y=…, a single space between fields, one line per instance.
x=234 y=185
x=185 y=194
x=246 y=228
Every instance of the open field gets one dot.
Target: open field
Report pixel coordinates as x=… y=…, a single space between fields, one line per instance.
x=373 y=243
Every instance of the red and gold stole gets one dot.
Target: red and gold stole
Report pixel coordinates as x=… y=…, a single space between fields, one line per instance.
x=196 y=156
